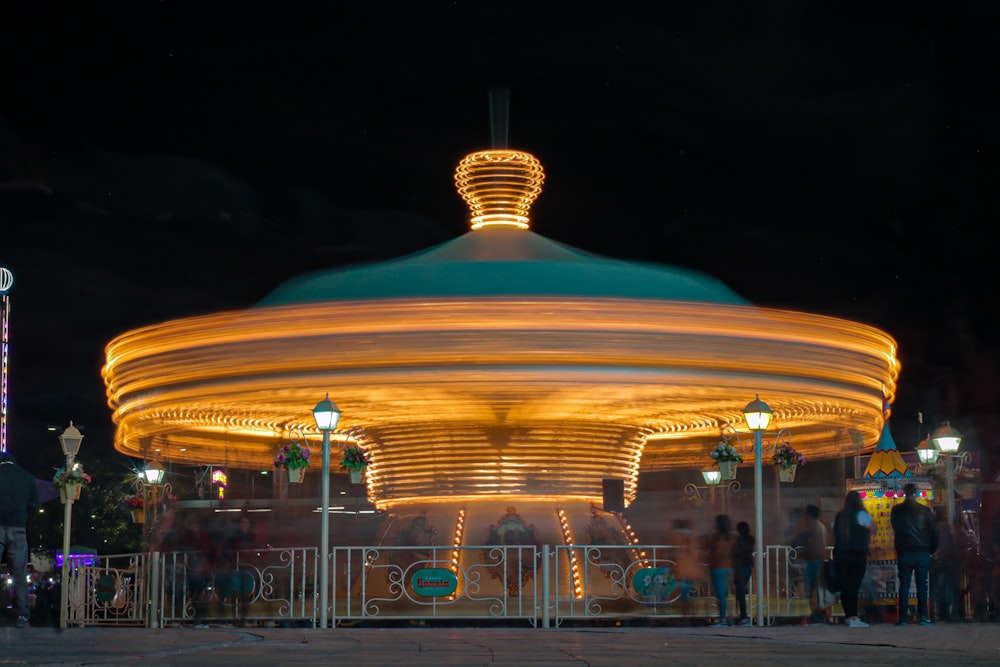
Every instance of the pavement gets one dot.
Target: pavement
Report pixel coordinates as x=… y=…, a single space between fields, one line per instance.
x=941 y=645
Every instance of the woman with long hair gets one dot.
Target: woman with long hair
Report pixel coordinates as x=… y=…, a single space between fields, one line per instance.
x=852 y=530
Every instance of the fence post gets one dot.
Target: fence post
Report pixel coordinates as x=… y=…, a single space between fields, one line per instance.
x=545 y=585
x=154 y=583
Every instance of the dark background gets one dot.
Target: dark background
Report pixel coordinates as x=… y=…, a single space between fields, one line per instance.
x=164 y=159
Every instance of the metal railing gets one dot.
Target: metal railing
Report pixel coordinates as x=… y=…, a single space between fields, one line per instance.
x=612 y=581
x=537 y=585
x=253 y=585
x=489 y=582
x=111 y=590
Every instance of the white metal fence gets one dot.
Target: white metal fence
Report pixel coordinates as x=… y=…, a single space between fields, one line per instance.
x=538 y=586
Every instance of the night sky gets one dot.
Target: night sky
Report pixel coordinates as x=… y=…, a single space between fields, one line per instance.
x=164 y=159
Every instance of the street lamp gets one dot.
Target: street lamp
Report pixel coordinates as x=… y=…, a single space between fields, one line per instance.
x=713 y=481
x=152 y=478
x=947 y=440
x=327 y=414
x=758 y=416
x=927 y=453
x=70 y=441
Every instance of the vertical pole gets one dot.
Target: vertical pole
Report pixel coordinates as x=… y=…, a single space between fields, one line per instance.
x=324 y=546
x=545 y=585
x=758 y=502
x=152 y=515
x=777 y=512
x=67 y=521
x=154 y=583
x=949 y=491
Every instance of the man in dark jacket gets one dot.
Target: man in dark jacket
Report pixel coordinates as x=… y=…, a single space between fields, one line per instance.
x=916 y=538
x=18 y=498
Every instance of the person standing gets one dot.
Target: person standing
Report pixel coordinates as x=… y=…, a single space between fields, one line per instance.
x=809 y=541
x=852 y=531
x=719 y=549
x=687 y=561
x=18 y=500
x=240 y=559
x=916 y=538
x=944 y=570
x=743 y=568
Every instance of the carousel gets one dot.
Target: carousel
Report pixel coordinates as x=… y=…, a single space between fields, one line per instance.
x=499 y=379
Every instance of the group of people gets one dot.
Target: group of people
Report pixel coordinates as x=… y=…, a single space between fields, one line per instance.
x=730 y=557
x=216 y=558
x=916 y=537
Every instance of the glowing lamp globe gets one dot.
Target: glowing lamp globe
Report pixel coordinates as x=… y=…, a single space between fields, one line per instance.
x=758 y=415
x=946 y=438
x=927 y=453
x=153 y=473
x=70 y=440
x=327 y=414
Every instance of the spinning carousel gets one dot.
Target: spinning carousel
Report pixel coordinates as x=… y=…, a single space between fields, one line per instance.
x=500 y=377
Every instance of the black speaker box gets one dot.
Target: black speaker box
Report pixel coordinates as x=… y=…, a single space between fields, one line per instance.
x=614 y=495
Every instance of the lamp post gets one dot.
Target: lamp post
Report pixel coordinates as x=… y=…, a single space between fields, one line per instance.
x=758 y=416
x=327 y=414
x=947 y=440
x=152 y=478
x=714 y=486
x=70 y=441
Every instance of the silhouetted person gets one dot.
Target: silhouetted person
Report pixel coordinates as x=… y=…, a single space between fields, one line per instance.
x=18 y=499
x=809 y=540
x=239 y=557
x=944 y=569
x=743 y=568
x=719 y=548
x=852 y=531
x=916 y=538
x=687 y=561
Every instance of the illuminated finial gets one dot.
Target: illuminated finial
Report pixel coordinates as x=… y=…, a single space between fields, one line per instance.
x=499 y=186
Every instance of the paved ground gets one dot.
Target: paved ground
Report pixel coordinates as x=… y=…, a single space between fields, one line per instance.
x=941 y=646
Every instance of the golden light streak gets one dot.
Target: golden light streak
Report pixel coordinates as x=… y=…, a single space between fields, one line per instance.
x=497 y=397
x=499 y=186
x=574 y=566
x=456 y=551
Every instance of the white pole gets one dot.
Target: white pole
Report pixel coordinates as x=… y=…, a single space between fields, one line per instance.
x=67 y=520
x=949 y=491
x=758 y=506
x=324 y=546
x=154 y=582
x=545 y=585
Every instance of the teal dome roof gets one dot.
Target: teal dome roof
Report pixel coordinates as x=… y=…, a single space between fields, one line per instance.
x=502 y=261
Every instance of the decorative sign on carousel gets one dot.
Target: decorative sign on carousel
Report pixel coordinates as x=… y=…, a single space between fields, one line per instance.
x=430 y=582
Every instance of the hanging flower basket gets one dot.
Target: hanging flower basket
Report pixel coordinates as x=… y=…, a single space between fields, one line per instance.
x=296 y=475
x=727 y=457
x=70 y=490
x=136 y=505
x=294 y=458
x=787 y=459
x=355 y=460
x=70 y=482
